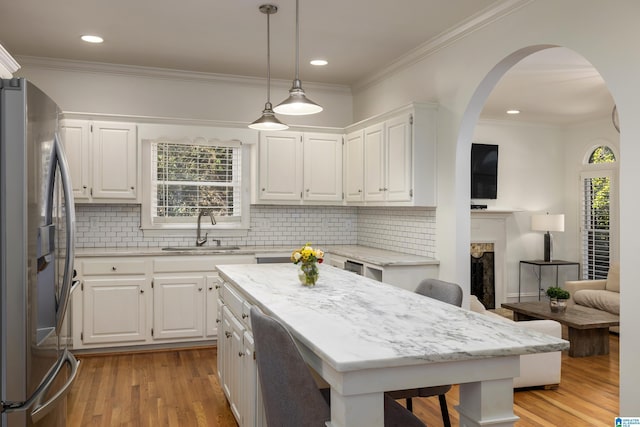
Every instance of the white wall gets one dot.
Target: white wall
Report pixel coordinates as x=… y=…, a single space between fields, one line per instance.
x=460 y=77
x=125 y=90
x=531 y=178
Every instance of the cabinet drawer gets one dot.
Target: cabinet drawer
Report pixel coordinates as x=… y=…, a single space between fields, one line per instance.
x=113 y=266
x=233 y=300
x=190 y=263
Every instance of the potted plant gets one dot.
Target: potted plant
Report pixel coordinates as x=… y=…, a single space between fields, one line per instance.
x=558 y=299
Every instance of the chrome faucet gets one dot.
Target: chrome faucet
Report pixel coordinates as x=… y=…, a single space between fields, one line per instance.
x=202 y=241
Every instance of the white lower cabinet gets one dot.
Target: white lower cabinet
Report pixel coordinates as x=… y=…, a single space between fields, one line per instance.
x=116 y=310
x=178 y=306
x=237 y=368
x=143 y=300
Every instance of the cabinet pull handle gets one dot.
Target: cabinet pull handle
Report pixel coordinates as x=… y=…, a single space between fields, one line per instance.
x=227 y=334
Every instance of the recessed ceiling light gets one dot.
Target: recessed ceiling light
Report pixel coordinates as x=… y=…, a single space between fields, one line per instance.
x=513 y=111
x=319 y=62
x=92 y=39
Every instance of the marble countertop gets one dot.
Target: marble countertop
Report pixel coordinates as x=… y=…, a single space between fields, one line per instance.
x=354 y=322
x=366 y=254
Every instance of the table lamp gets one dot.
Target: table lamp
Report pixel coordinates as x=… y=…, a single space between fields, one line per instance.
x=547 y=223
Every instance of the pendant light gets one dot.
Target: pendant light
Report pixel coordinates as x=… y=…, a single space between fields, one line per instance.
x=297 y=104
x=268 y=120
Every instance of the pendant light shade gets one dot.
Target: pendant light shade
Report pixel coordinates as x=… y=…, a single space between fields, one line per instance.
x=268 y=120
x=297 y=104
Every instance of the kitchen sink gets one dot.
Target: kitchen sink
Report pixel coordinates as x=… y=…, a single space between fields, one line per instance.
x=201 y=248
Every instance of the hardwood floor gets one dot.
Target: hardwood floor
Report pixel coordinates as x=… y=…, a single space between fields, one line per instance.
x=180 y=388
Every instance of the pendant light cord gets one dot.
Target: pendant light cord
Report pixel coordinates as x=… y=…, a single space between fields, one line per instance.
x=269 y=60
x=297 y=41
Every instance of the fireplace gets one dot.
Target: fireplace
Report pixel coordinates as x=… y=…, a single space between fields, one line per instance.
x=483 y=284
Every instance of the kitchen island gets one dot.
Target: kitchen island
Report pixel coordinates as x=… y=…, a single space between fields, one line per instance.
x=365 y=337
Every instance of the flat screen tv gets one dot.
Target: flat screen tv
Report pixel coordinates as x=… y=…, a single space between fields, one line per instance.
x=484 y=171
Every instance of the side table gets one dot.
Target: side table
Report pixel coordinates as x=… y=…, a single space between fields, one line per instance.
x=539 y=264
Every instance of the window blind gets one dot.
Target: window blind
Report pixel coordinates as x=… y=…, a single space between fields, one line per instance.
x=188 y=177
x=596 y=227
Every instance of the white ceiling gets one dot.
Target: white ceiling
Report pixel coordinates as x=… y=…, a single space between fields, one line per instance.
x=357 y=37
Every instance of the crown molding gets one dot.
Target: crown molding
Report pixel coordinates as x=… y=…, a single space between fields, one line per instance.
x=163 y=73
x=476 y=22
x=7 y=61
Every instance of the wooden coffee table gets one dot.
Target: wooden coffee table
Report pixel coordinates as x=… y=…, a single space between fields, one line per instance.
x=588 y=327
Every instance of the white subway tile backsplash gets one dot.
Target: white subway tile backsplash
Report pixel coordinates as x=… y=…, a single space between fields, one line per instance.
x=408 y=230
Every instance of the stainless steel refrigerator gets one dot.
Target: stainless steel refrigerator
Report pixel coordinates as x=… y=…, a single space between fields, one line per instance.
x=37 y=227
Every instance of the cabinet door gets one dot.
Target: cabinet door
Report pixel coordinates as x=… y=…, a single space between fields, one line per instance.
x=374 y=155
x=280 y=166
x=354 y=167
x=114 y=310
x=398 y=159
x=322 y=167
x=76 y=140
x=224 y=351
x=178 y=304
x=212 y=316
x=114 y=160
x=236 y=367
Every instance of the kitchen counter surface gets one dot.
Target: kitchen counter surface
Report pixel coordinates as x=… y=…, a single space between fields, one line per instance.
x=381 y=257
x=354 y=322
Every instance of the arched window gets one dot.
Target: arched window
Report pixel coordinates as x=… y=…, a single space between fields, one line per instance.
x=602 y=154
x=597 y=213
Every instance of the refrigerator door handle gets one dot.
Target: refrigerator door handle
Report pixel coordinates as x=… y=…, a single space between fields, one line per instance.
x=70 y=229
x=42 y=409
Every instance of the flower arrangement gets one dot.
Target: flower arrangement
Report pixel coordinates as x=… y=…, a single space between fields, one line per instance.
x=308 y=258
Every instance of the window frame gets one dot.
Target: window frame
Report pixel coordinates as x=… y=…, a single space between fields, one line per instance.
x=183 y=226
x=597 y=170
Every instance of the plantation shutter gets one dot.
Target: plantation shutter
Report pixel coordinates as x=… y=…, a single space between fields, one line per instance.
x=596 y=224
x=188 y=177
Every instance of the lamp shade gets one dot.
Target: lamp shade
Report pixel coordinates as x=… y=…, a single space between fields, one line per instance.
x=547 y=222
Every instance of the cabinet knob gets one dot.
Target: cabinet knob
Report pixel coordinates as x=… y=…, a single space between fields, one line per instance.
x=217 y=320
x=133 y=188
x=244 y=315
x=227 y=334
x=359 y=190
x=114 y=269
x=142 y=291
x=380 y=189
x=307 y=190
x=240 y=354
x=217 y=286
x=210 y=288
x=84 y=187
x=263 y=189
x=199 y=289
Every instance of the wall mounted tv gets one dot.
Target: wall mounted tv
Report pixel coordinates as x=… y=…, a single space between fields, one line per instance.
x=484 y=171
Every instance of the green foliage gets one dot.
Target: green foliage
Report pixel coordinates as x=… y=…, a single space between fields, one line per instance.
x=557 y=292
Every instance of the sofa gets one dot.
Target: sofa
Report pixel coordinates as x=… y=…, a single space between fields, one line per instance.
x=602 y=294
x=541 y=369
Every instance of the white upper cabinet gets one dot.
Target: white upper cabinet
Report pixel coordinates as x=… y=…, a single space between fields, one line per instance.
x=103 y=159
x=399 y=158
x=280 y=166
x=76 y=138
x=398 y=154
x=300 y=167
x=374 y=161
x=322 y=167
x=354 y=166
